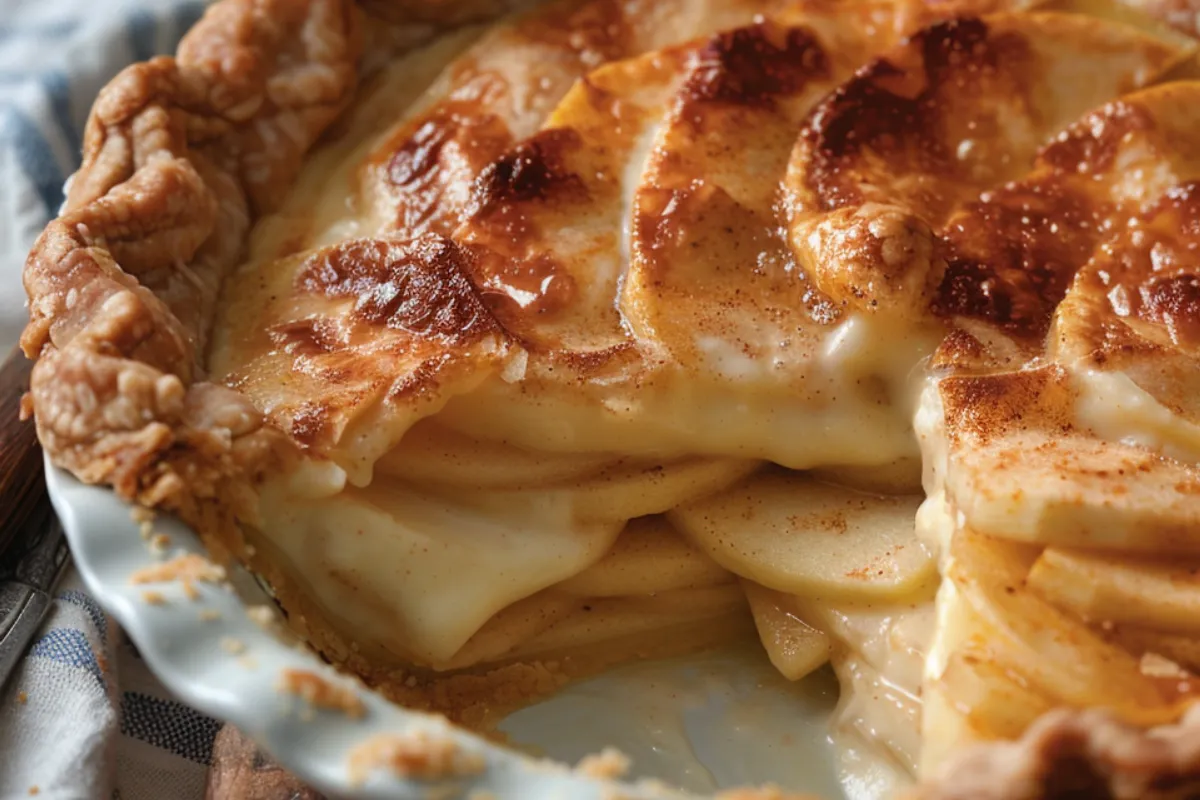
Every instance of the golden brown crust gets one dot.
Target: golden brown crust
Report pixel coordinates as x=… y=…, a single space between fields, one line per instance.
x=442 y=12
x=179 y=154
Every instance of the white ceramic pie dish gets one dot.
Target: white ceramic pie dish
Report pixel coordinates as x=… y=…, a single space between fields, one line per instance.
x=724 y=723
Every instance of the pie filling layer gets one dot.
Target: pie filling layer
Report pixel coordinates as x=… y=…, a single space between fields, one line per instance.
x=864 y=326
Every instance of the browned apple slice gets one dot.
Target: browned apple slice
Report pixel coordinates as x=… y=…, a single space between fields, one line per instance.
x=358 y=341
x=957 y=111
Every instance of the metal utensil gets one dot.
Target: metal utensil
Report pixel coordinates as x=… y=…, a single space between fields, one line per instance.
x=33 y=551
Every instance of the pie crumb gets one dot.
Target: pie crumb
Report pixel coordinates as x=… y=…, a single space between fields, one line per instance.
x=34 y=790
x=419 y=754
x=318 y=692
x=608 y=763
x=154 y=598
x=233 y=646
x=159 y=543
x=209 y=615
x=186 y=568
x=22 y=698
x=263 y=616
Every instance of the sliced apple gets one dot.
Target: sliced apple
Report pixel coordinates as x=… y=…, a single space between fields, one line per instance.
x=620 y=492
x=432 y=453
x=1103 y=587
x=1001 y=702
x=1057 y=652
x=793 y=534
x=794 y=647
x=649 y=557
x=607 y=620
x=510 y=627
x=636 y=490
x=1183 y=650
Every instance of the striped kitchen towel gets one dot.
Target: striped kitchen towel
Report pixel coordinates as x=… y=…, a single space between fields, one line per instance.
x=82 y=717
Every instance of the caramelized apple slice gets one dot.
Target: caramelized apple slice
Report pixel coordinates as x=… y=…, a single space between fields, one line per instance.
x=546 y=234
x=763 y=365
x=794 y=647
x=960 y=108
x=364 y=339
x=795 y=535
x=649 y=557
x=502 y=89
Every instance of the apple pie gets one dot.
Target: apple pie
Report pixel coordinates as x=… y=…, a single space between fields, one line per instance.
x=508 y=341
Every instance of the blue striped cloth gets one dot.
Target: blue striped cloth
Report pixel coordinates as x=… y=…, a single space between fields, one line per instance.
x=83 y=717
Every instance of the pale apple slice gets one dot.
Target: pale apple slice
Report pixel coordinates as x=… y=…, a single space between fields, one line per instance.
x=513 y=625
x=431 y=453
x=621 y=492
x=638 y=489
x=794 y=647
x=796 y=535
x=1057 y=652
x=1000 y=703
x=607 y=620
x=649 y=557
x=421 y=574
x=1103 y=587
x=945 y=727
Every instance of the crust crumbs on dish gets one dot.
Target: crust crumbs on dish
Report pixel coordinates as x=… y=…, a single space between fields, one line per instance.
x=319 y=692
x=419 y=754
x=185 y=568
x=1040 y=260
x=608 y=763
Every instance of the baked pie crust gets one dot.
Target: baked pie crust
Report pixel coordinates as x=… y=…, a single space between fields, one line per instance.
x=474 y=340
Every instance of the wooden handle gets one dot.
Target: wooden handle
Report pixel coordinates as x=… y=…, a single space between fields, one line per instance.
x=22 y=483
x=239 y=769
